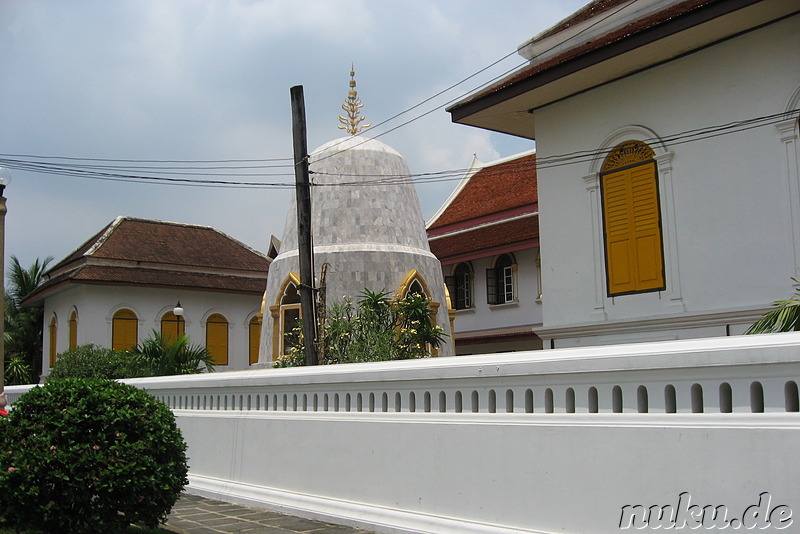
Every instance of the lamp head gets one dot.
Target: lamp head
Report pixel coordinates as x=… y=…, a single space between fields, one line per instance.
x=178 y=310
x=5 y=178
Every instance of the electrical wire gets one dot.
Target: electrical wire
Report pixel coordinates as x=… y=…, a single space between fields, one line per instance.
x=471 y=91
x=571 y=158
x=173 y=168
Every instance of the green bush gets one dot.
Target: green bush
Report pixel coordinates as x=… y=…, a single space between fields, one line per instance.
x=90 y=361
x=89 y=456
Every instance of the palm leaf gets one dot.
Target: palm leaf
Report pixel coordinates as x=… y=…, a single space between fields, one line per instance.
x=784 y=318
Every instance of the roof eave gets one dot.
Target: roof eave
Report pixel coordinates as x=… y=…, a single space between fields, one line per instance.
x=507 y=106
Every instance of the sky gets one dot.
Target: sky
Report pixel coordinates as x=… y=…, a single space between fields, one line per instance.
x=207 y=80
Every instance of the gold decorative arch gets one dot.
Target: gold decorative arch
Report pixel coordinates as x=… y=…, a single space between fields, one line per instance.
x=414 y=276
x=627 y=153
x=275 y=313
x=410 y=277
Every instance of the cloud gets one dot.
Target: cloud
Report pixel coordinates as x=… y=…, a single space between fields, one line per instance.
x=210 y=80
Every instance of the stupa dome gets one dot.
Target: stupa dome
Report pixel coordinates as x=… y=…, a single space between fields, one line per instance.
x=361 y=193
x=367 y=233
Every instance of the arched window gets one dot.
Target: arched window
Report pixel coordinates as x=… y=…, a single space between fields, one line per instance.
x=285 y=315
x=73 y=330
x=124 y=330
x=460 y=286
x=217 y=338
x=172 y=326
x=53 y=336
x=290 y=317
x=501 y=280
x=632 y=220
x=414 y=284
x=254 y=337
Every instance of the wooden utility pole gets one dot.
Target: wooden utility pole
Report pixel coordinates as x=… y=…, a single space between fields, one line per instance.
x=304 y=242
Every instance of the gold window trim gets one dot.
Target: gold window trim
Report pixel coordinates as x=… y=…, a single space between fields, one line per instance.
x=626 y=154
x=414 y=276
x=275 y=313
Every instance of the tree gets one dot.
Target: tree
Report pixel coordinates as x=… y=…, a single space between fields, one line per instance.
x=90 y=361
x=784 y=318
x=23 y=326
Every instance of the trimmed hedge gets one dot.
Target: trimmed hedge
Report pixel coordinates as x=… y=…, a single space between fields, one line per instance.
x=90 y=361
x=84 y=455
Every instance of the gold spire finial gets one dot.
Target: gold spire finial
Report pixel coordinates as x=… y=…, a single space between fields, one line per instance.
x=352 y=106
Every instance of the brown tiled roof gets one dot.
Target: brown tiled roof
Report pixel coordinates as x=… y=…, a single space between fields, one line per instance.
x=492 y=190
x=140 y=252
x=586 y=12
x=511 y=235
x=145 y=240
x=113 y=275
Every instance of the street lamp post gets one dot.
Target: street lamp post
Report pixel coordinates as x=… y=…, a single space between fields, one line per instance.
x=5 y=179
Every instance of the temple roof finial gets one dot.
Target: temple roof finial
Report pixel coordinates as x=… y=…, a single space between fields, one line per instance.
x=352 y=106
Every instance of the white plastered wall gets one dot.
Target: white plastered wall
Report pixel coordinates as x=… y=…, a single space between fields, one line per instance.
x=96 y=306
x=727 y=204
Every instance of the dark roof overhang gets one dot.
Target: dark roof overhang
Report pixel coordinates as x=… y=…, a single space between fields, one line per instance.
x=686 y=27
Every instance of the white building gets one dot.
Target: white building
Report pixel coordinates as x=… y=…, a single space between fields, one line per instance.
x=667 y=146
x=487 y=237
x=126 y=280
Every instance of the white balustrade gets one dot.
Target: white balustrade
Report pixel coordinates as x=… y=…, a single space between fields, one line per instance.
x=548 y=441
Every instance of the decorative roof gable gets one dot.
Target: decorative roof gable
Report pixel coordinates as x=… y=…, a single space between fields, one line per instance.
x=493 y=210
x=495 y=188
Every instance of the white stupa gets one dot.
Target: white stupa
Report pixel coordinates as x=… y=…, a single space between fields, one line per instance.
x=367 y=226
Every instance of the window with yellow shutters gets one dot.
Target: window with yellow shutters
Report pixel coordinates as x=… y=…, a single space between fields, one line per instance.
x=632 y=221
x=254 y=336
x=172 y=326
x=73 y=330
x=124 y=330
x=53 y=338
x=217 y=338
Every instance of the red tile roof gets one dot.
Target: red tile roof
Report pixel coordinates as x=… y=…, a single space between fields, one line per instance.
x=508 y=236
x=493 y=190
x=140 y=252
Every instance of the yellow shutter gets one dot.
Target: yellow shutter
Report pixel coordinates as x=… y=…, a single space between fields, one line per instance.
x=254 y=338
x=217 y=338
x=172 y=326
x=124 y=330
x=647 y=228
x=634 y=255
x=73 y=330
x=53 y=337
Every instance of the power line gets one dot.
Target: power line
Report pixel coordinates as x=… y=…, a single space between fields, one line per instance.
x=463 y=95
x=147 y=160
x=172 y=163
x=557 y=160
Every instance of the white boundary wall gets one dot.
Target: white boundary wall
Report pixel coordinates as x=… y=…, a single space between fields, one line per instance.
x=490 y=444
